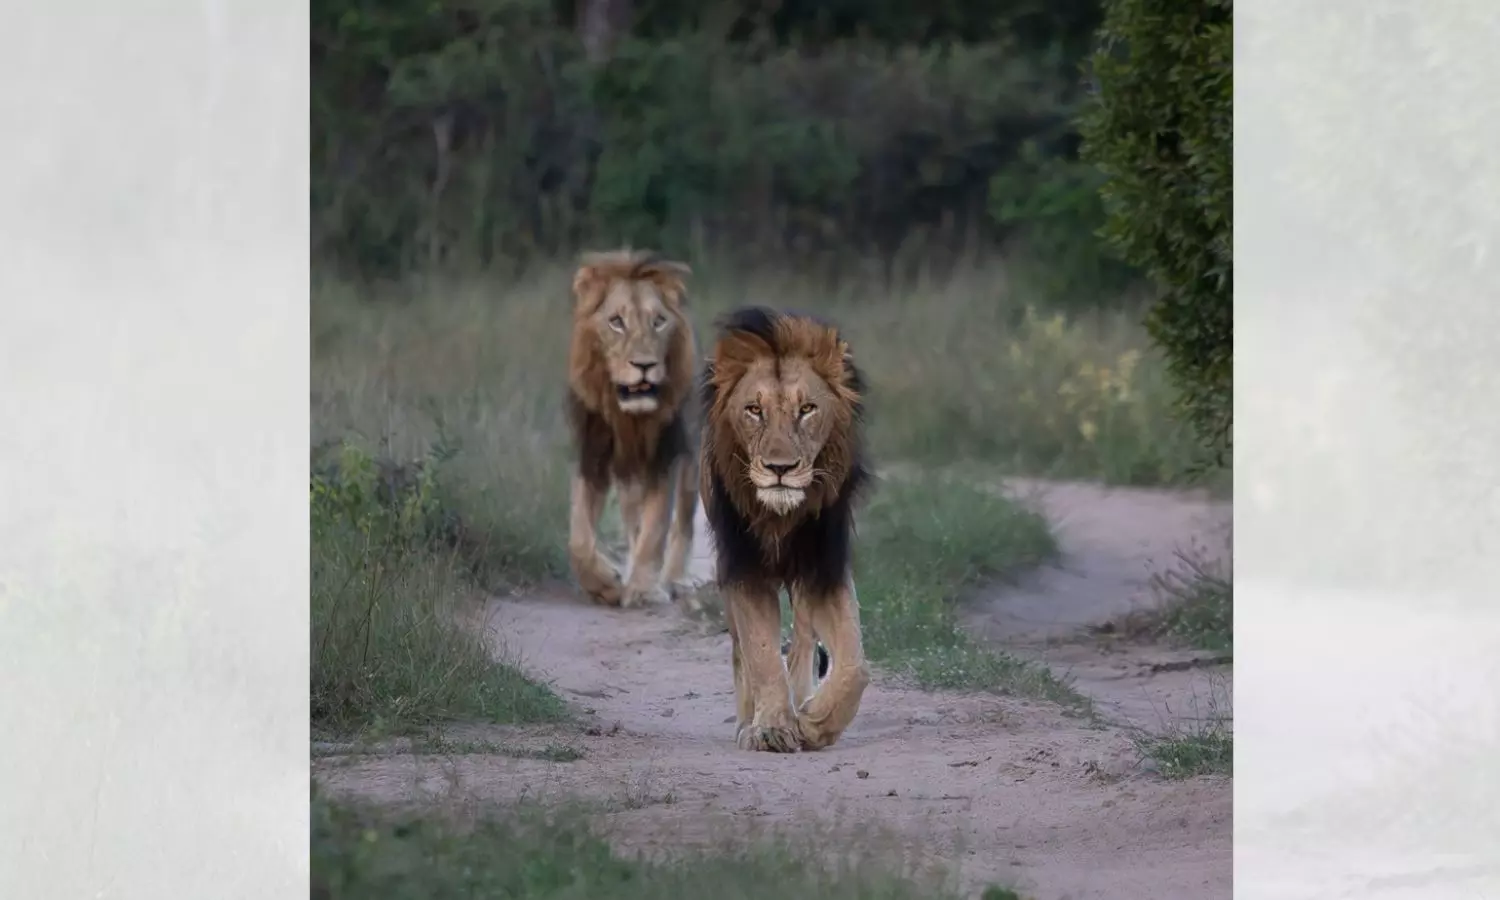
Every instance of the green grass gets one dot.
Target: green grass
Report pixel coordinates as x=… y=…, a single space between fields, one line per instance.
x=924 y=539
x=526 y=854
x=388 y=659
x=437 y=745
x=1207 y=752
x=1200 y=743
x=1194 y=608
x=1198 y=607
x=968 y=368
x=390 y=654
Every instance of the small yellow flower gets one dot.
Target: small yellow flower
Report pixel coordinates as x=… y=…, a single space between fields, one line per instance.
x=1088 y=429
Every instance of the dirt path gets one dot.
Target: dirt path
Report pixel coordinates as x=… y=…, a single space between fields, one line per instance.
x=1010 y=792
x=1111 y=541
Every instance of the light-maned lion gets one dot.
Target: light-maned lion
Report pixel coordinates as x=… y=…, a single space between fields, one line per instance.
x=782 y=465
x=630 y=375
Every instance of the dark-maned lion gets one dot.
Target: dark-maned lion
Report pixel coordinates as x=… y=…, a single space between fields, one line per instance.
x=630 y=375
x=782 y=465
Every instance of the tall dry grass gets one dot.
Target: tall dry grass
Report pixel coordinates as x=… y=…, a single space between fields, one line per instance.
x=962 y=370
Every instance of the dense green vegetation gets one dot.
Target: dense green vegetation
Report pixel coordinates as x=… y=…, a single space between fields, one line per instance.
x=1162 y=133
x=486 y=132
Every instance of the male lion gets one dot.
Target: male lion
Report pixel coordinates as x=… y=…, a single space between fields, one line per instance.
x=782 y=465
x=630 y=372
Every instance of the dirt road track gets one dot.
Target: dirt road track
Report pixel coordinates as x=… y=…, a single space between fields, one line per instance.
x=1111 y=541
x=1011 y=792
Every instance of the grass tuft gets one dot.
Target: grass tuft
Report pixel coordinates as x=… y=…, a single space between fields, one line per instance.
x=1199 y=744
x=1186 y=755
x=1198 y=603
x=925 y=538
x=1194 y=605
x=390 y=653
x=531 y=855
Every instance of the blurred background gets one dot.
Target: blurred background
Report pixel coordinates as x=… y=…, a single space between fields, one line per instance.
x=882 y=136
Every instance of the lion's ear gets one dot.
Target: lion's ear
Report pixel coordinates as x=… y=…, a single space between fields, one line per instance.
x=850 y=376
x=586 y=282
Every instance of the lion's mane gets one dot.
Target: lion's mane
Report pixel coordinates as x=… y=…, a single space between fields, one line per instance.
x=814 y=546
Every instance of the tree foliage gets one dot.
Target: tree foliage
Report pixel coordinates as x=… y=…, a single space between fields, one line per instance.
x=1160 y=129
x=491 y=130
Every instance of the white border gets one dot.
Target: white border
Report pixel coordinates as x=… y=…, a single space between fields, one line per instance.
x=1368 y=449
x=153 y=627
x=153 y=562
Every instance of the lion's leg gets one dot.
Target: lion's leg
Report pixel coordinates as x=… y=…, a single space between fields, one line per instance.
x=630 y=514
x=756 y=617
x=643 y=584
x=596 y=575
x=744 y=705
x=680 y=536
x=801 y=660
x=836 y=621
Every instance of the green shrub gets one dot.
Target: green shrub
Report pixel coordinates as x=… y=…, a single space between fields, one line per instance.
x=1053 y=203
x=1161 y=130
x=389 y=650
x=478 y=134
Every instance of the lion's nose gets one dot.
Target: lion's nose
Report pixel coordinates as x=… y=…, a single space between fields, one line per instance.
x=780 y=469
x=643 y=366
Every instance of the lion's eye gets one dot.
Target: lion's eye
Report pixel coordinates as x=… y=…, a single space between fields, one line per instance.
x=659 y=323
x=807 y=410
x=617 y=323
x=753 y=410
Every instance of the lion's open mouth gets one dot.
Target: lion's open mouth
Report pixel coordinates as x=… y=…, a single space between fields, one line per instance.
x=641 y=390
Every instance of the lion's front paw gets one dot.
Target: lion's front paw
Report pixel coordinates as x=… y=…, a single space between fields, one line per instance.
x=814 y=736
x=601 y=581
x=643 y=595
x=771 y=737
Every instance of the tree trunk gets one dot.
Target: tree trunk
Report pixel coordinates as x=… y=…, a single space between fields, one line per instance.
x=600 y=24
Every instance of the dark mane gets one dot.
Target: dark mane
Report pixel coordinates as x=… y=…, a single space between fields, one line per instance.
x=818 y=553
x=645 y=453
x=814 y=550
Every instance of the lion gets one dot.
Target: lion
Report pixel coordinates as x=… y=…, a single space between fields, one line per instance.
x=782 y=466
x=630 y=379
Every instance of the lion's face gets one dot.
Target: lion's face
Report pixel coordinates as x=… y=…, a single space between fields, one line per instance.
x=782 y=419
x=786 y=400
x=634 y=327
x=631 y=303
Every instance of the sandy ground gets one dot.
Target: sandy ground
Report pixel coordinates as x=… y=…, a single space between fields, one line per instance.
x=1112 y=540
x=1007 y=791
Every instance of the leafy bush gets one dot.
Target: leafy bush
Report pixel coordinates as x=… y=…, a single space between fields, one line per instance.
x=1052 y=202
x=1161 y=130
x=389 y=652
x=481 y=132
